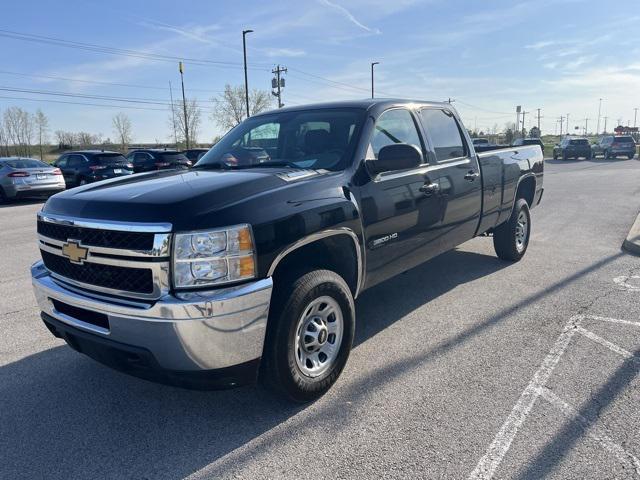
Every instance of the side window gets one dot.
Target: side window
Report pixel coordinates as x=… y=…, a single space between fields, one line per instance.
x=75 y=161
x=140 y=157
x=393 y=126
x=443 y=130
x=62 y=162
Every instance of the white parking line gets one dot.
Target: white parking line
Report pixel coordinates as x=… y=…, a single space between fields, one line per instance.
x=486 y=467
x=592 y=430
x=623 y=281
x=495 y=453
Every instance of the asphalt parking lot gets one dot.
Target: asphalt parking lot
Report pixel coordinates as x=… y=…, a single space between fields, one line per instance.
x=466 y=367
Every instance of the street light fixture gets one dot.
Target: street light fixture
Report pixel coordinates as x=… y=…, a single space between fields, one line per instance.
x=246 y=80
x=372 y=64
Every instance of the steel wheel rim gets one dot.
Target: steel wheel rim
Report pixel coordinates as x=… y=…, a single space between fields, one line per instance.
x=318 y=336
x=522 y=230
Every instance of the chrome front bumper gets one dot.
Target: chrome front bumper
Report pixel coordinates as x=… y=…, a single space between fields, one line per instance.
x=187 y=332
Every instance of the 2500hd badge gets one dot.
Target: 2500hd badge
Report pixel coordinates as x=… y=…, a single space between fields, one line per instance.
x=246 y=267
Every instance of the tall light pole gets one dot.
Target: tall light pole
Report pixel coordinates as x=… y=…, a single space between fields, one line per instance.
x=599 y=110
x=372 y=64
x=635 y=117
x=246 y=79
x=184 y=107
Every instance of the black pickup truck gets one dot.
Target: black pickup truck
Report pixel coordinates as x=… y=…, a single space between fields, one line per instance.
x=237 y=271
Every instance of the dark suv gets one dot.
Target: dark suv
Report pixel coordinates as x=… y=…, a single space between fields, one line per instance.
x=147 y=160
x=612 y=147
x=571 y=147
x=194 y=154
x=87 y=166
x=518 y=142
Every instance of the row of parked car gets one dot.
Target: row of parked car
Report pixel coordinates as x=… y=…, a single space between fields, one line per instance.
x=609 y=146
x=27 y=177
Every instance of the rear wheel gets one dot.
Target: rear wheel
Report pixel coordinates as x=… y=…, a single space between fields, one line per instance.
x=311 y=328
x=565 y=157
x=511 y=239
x=631 y=156
x=607 y=155
x=3 y=196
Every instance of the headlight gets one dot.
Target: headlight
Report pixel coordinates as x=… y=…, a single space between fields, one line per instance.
x=213 y=257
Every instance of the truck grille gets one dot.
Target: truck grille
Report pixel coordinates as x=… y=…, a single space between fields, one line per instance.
x=127 y=260
x=137 y=280
x=97 y=237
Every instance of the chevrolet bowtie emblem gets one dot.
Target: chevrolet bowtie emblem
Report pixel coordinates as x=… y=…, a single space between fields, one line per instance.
x=74 y=252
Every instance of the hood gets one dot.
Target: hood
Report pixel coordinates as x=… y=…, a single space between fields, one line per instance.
x=178 y=197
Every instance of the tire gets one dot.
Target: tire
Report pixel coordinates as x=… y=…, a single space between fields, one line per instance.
x=555 y=157
x=630 y=157
x=3 y=196
x=297 y=307
x=564 y=157
x=607 y=156
x=511 y=239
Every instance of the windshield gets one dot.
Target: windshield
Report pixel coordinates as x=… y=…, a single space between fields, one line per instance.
x=318 y=139
x=109 y=159
x=582 y=141
x=26 y=163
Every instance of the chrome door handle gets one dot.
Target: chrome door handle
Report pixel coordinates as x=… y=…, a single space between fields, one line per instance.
x=430 y=188
x=471 y=175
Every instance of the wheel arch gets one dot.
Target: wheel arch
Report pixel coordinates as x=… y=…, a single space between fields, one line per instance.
x=336 y=249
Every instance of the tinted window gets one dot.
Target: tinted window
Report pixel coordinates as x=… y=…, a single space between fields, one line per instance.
x=140 y=157
x=444 y=133
x=319 y=139
x=624 y=139
x=107 y=159
x=62 y=161
x=75 y=161
x=394 y=126
x=172 y=157
x=27 y=163
x=580 y=141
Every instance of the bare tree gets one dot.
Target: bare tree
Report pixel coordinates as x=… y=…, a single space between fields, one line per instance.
x=42 y=129
x=229 y=108
x=19 y=129
x=122 y=129
x=4 y=139
x=194 y=120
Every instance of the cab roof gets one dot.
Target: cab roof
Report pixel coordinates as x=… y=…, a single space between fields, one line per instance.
x=365 y=104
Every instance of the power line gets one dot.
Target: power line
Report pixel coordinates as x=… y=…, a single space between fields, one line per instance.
x=97 y=82
x=49 y=100
x=92 y=47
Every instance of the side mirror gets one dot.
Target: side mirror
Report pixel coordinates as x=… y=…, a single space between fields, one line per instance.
x=398 y=156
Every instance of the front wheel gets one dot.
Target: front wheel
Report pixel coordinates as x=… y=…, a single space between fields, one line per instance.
x=511 y=239
x=309 y=338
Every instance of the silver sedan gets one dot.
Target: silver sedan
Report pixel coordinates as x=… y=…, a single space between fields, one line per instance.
x=26 y=177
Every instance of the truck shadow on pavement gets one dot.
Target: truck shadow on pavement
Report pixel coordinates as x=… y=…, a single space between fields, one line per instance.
x=64 y=416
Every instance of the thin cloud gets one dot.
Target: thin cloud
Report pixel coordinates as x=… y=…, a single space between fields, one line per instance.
x=349 y=16
x=284 y=52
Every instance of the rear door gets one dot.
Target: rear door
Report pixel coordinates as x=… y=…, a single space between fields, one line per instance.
x=457 y=173
x=75 y=164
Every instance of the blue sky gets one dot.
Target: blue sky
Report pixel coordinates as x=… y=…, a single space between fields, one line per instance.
x=557 y=55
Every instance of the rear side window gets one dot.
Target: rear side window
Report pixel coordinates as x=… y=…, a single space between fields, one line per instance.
x=75 y=161
x=394 y=126
x=172 y=157
x=26 y=163
x=624 y=139
x=444 y=133
x=109 y=159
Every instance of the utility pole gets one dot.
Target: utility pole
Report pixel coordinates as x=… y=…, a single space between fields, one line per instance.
x=372 y=65
x=586 y=124
x=523 y=114
x=538 y=120
x=635 y=117
x=568 y=132
x=517 y=129
x=277 y=84
x=246 y=79
x=450 y=101
x=184 y=107
x=561 y=122
x=173 y=116
x=605 y=124
x=599 y=110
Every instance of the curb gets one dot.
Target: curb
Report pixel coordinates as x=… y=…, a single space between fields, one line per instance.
x=632 y=242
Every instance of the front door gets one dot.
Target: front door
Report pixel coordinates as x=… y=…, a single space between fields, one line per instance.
x=398 y=208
